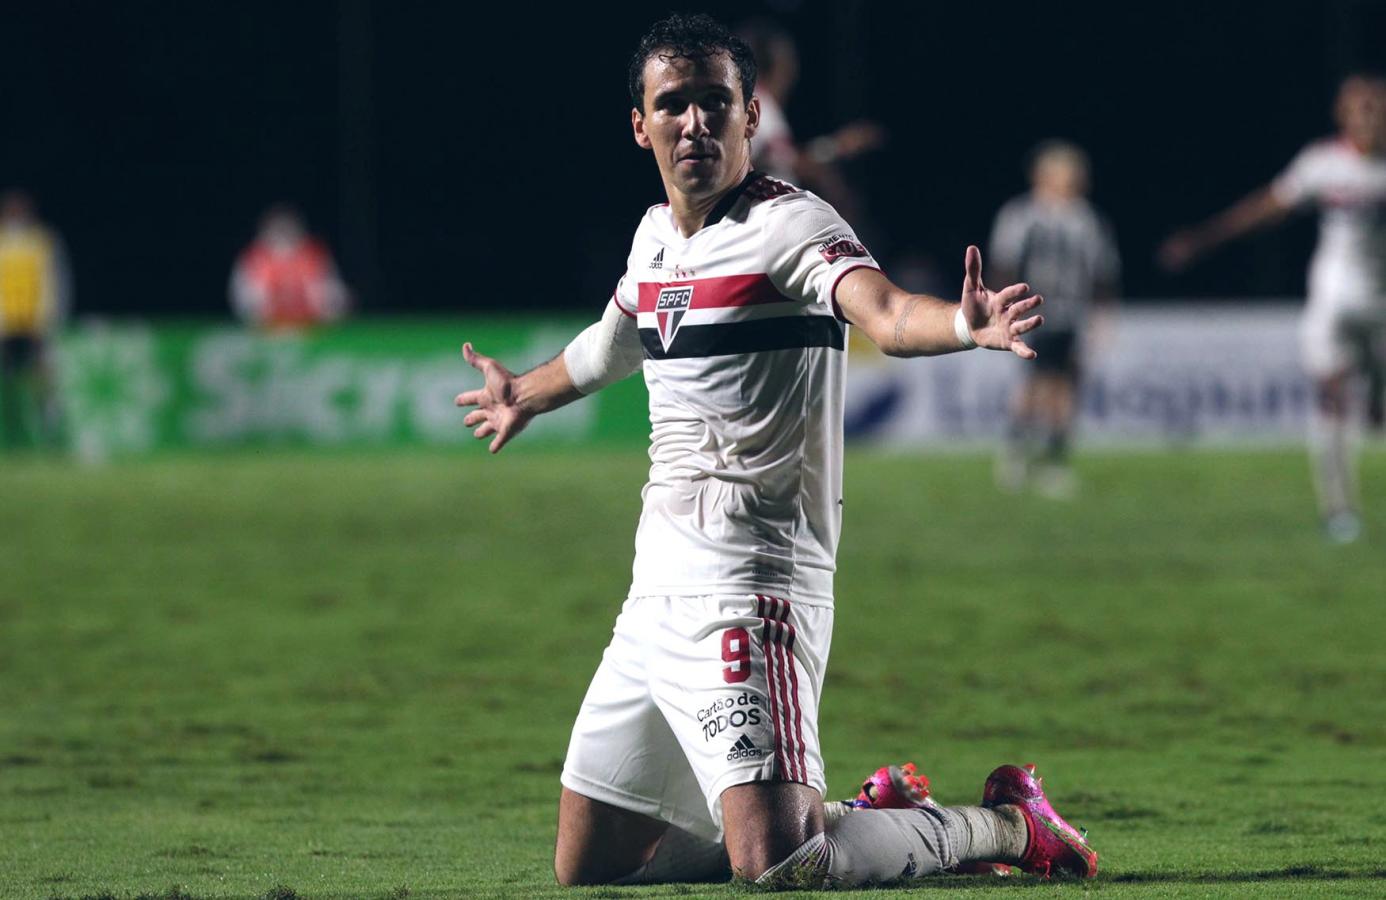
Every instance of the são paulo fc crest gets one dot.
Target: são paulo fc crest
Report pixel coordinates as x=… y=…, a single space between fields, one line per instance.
x=673 y=302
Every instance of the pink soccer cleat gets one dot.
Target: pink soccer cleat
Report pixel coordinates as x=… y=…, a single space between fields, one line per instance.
x=1053 y=844
x=894 y=787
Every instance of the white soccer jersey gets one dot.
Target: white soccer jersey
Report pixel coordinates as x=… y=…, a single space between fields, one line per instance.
x=745 y=365
x=1064 y=251
x=1349 y=187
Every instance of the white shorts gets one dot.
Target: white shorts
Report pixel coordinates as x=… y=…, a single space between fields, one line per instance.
x=695 y=695
x=1337 y=337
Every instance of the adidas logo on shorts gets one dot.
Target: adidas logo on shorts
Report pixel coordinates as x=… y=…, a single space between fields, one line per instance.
x=744 y=749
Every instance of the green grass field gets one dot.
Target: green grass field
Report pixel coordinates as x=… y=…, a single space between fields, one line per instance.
x=353 y=676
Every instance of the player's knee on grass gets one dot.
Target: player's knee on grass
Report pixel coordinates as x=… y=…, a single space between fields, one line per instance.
x=599 y=843
x=595 y=863
x=765 y=822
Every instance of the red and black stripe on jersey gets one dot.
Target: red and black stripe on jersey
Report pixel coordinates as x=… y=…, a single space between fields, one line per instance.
x=786 y=332
x=755 y=336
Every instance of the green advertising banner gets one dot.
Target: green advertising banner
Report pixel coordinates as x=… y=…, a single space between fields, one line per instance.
x=133 y=388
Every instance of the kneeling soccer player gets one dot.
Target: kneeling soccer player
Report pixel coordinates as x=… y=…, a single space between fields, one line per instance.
x=696 y=751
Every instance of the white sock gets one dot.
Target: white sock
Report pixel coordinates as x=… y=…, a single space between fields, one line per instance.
x=1333 y=457
x=883 y=845
x=988 y=835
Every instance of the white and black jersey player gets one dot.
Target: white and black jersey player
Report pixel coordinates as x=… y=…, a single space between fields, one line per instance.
x=695 y=752
x=1344 y=324
x=1054 y=239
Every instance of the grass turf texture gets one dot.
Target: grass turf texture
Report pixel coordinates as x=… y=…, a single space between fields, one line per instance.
x=353 y=676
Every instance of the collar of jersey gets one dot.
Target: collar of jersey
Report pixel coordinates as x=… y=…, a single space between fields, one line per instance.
x=729 y=199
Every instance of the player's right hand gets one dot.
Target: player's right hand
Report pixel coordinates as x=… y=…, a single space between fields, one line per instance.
x=498 y=410
x=1178 y=250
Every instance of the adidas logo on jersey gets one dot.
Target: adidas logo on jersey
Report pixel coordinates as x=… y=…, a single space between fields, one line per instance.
x=658 y=261
x=673 y=302
x=744 y=749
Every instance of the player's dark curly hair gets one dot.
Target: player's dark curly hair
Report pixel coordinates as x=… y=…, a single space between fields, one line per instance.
x=695 y=37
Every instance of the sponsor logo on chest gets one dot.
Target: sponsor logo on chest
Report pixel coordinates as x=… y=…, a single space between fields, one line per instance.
x=673 y=302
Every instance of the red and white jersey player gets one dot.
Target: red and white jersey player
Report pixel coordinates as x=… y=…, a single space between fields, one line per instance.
x=745 y=363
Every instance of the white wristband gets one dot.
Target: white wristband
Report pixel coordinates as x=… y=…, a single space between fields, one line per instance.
x=964 y=333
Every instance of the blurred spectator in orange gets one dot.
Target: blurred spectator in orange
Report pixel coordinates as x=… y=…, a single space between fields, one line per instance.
x=34 y=298
x=286 y=279
x=773 y=149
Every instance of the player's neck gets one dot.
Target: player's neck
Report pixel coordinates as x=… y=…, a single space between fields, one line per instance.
x=691 y=212
x=1051 y=197
x=1372 y=148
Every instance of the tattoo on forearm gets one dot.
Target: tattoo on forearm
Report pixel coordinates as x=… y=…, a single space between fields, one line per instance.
x=900 y=324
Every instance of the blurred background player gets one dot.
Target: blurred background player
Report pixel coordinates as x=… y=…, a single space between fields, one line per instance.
x=1345 y=321
x=773 y=148
x=34 y=298
x=1055 y=240
x=286 y=279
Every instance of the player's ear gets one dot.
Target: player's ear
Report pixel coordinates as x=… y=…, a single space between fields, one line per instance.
x=637 y=124
x=752 y=117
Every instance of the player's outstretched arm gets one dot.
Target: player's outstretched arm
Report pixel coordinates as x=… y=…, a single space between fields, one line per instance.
x=506 y=402
x=1257 y=210
x=905 y=324
x=605 y=352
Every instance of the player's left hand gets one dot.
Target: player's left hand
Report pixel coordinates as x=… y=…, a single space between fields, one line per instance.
x=995 y=317
x=1178 y=251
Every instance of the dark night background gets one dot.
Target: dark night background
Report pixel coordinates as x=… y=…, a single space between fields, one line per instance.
x=461 y=158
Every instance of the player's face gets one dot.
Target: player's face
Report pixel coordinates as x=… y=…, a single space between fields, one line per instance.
x=1061 y=176
x=696 y=123
x=1362 y=113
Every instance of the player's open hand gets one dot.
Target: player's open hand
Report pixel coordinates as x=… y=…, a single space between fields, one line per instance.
x=997 y=318
x=1178 y=251
x=498 y=410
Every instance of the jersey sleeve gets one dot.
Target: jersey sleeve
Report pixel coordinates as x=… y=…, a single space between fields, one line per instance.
x=1300 y=181
x=625 y=296
x=809 y=247
x=605 y=352
x=1007 y=244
